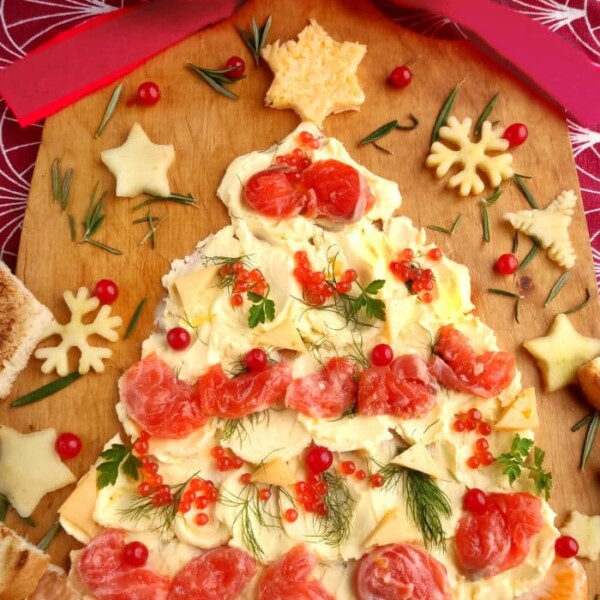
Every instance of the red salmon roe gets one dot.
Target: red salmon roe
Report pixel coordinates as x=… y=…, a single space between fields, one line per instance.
x=434 y=254
x=201 y=519
x=377 y=480
x=310 y=494
x=484 y=428
x=360 y=475
x=308 y=139
x=264 y=494
x=291 y=515
x=410 y=272
x=473 y=462
x=347 y=467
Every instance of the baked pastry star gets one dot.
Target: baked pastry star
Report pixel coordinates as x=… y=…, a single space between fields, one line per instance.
x=140 y=165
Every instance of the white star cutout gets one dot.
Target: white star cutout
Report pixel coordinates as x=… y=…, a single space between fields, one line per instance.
x=140 y=165
x=30 y=468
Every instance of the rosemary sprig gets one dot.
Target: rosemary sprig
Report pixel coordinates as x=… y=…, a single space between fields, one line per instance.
x=153 y=225
x=524 y=189
x=188 y=200
x=582 y=423
x=516 y=310
x=93 y=219
x=485 y=220
x=56 y=181
x=66 y=189
x=239 y=428
x=216 y=78
x=257 y=38
x=135 y=318
x=444 y=113
x=46 y=390
x=110 y=109
x=334 y=527
x=515 y=244
x=592 y=421
x=413 y=125
x=583 y=304
x=448 y=230
x=425 y=501
x=48 y=537
x=61 y=185
x=115 y=457
x=530 y=255
x=557 y=287
x=486 y=113
x=380 y=132
x=503 y=293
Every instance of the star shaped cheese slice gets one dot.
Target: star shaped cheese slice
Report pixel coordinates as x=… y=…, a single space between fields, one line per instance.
x=316 y=75
x=30 y=468
x=140 y=165
x=550 y=227
x=561 y=352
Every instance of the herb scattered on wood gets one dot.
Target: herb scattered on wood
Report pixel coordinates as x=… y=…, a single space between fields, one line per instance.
x=486 y=113
x=530 y=255
x=217 y=79
x=188 y=200
x=93 y=219
x=515 y=244
x=135 y=318
x=115 y=457
x=485 y=218
x=557 y=287
x=448 y=230
x=413 y=125
x=387 y=128
x=516 y=460
x=427 y=503
x=444 y=113
x=257 y=38
x=503 y=293
x=592 y=421
x=46 y=390
x=110 y=109
x=48 y=537
x=519 y=180
x=152 y=227
x=583 y=304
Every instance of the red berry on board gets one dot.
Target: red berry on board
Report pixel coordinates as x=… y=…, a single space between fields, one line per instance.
x=148 y=93
x=400 y=77
x=256 y=359
x=566 y=546
x=516 y=134
x=238 y=66
x=475 y=501
x=506 y=264
x=135 y=554
x=178 y=338
x=68 y=445
x=201 y=519
x=382 y=355
x=318 y=459
x=106 y=291
x=291 y=515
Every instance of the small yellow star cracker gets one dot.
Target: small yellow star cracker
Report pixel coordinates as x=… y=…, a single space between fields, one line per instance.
x=550 y=227
x=561 y=352
x=471 y=156
x=140 y=165
x=316 y=75
x=30 y=468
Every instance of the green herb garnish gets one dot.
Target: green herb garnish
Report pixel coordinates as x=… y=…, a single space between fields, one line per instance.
x=485 y=220
x=413 y=125
x=257 y=38
x=56 y=180
x=515 y=244
x=503 y=293
x=515 y=461
x=135 y=318
x=380 y=132
x=238 y=428
x=592 y=421
x=530 y=256
x=444 y=114
x=110 y=109
x=217 y=78
x=334 y=527
x=152 y=227
x=48 y=537
x=583 y=304
x=557 y=287
x=486 y=113
x=93 y=219
x=188 y=200
x=114 y=457
x=46 y=390
x=61 y=185
x=448 y=230
x=525 y=190
x=262 y=309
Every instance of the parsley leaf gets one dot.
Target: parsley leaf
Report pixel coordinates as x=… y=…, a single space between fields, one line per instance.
x=263 y=309
x=108 y=471
x=515 y=461
x=374 y=308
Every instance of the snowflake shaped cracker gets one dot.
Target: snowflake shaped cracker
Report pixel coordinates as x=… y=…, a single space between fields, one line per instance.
x=75 y=334
x=472 y=156
x=550 y=227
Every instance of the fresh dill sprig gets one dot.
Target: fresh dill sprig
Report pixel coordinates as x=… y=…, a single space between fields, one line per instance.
x=425 y=501
x=334 y=527
x=93 y=219
x=257 y=38
x=239 y=428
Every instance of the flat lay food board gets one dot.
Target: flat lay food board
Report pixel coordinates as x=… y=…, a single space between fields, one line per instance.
x=209 y=130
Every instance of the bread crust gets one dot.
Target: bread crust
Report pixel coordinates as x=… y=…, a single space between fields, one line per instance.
x=588 y=376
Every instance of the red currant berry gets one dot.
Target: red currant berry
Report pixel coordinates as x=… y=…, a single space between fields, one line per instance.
x=148 y=93
x=178 y=338
x=237 y=66
x=506 y=264
x=106 y=291
x=382 y=355
x=68 y=445
x=400 y=77
x=256 y=359
x=516 y=134
x=135 y=554
x=566 y=546
x=475 y=501
x=291 y=515
x=318 y=459
x=201 y=519
x=376 y=480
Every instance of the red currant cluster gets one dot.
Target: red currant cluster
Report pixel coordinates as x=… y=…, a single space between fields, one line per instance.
x=243 y=280
x=418 y=280
x=316 y=288
x=348 y=468
x=199 y=494
x=226 y=459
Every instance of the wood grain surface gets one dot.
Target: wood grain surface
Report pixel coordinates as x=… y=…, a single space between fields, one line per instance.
x=209 y=130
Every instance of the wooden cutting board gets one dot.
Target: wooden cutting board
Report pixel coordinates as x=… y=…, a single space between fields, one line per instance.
x=209 y=130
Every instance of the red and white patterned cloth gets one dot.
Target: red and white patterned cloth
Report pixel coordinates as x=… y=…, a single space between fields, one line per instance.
x=25 y=24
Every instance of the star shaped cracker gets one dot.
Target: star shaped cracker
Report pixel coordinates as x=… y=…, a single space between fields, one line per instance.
x=30 y=468
x=561 y=352
x=550 y=227
x=140 y=165
x=316 y=75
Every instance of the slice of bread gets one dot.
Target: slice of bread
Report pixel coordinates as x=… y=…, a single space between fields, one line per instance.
x=588 y=376
x=23 y=323
x=21 y=565
x=54 y=585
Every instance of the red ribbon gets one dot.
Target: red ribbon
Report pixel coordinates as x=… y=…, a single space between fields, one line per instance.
x=89 y=57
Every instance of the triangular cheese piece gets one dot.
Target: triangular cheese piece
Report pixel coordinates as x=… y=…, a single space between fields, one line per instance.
x=395 y=526
x=197 y=292
x=522 y=413
x=274 y=472
x=550 y=227
x=417 y=458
